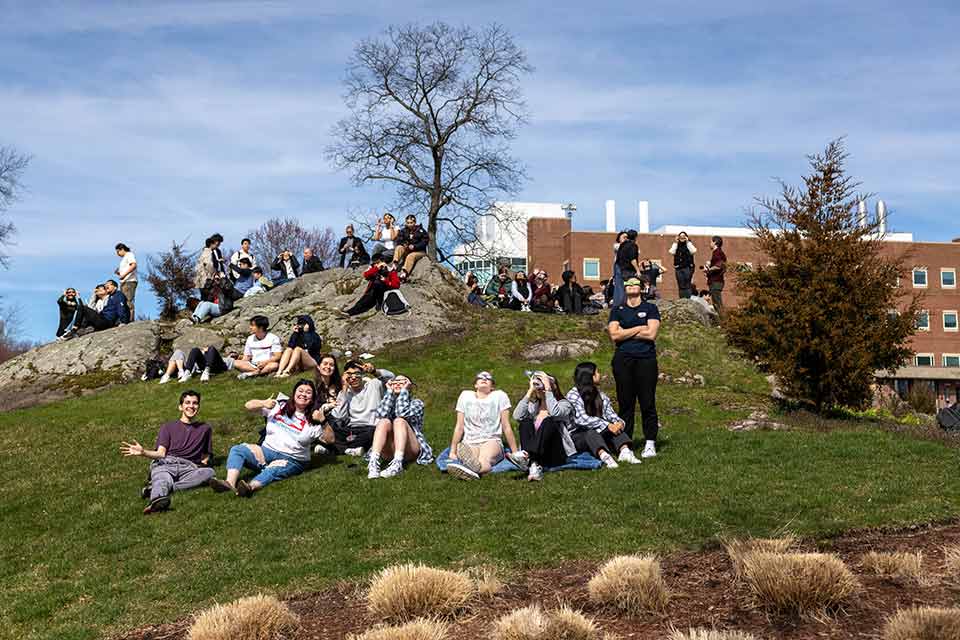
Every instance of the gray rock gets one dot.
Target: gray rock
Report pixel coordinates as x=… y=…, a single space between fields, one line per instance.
x=686 y=311
x=560 y=350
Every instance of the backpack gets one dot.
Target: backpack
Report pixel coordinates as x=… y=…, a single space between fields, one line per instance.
x=394 y=303
x=949 y=418
x=152 y=369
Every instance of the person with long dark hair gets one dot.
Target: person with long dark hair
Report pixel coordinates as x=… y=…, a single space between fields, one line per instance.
x=285 y=450
x=328 y=380
x=210 y=261
x=521 y=293
x=633 y=328
x=399 y=433
x=617 y=296
x=598 y=430
x=682 y=251
x=544 y=418
x=303 y=348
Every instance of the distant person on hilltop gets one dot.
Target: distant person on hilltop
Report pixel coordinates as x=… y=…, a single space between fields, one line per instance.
x=715 y=270
x=683 y=264
x=628 y=259
x=243 y=252
x=260 y=284
x=180 y=461
x=242 y=276
x=71 y=313
x=127 y=272
x=216 y=299
x=351 y=250
x=381 y=277
x=311 y=263
x=288 y=266
x=412 y=243
x=116 y=311
x=521 y=293
x=210 y=261
x=652 y=272
x=385 y=235
x=616 y=282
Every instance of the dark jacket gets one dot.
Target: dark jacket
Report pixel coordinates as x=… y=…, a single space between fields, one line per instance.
x=220 y=292
x=417 y=236
x=360 y=255
x=309 y=341
x=70 y=312
x=313 y=265
x=682 y=258
x=718 y=266
x=278 y=266
x=570 y=295
x=116 y=311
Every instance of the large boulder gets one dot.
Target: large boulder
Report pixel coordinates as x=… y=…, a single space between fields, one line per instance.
x=48 y=372
x=686 y=311
x=560 y=350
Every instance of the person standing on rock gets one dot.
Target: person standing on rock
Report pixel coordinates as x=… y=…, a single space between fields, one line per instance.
x=633 y=327
x=184 y=450
x=127 y=272
x=715 y=270
x=628 y=259
x=412 y=243
x=243 y=252
x=682 y=251
x=210 y=261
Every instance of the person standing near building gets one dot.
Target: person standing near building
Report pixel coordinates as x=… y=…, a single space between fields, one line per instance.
x=617 y=296
x=715 y=270
x=682 y=251
x=633 y=328
x=628 y=260
x=127 y=272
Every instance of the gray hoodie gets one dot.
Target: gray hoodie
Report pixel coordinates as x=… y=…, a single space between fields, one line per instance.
x=361 y=406
x=560 y=410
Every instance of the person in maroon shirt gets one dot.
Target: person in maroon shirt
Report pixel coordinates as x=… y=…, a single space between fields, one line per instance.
x=715 y=270
x=184 y=448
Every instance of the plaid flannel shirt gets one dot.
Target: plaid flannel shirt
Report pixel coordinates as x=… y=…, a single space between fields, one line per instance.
x=583 y=420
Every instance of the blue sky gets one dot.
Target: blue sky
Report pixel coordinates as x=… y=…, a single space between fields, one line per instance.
x=155 y=121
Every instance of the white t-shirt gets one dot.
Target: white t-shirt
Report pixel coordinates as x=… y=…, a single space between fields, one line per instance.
x=128 y=259
x=290 y=436
x=240 y=253
x=258 y=351
x=481 y=417
x=387 y=238
x=288 y=271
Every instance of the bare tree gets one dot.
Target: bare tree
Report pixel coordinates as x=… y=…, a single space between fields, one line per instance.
x=12 y=165
x=276 y=235
x=170 y=275
x=11 y=344
x=432 y=110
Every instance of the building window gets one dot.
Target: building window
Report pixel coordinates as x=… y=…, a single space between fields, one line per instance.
x=923 y=359
x=920 y=277
x=591 y=268
x=923 y=320
x=949 y=320
x=951 y=359
x=948 y=278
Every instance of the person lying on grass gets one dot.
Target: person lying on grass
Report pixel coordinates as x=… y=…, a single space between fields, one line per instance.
x=262 y=351
x=483 y=419
x=399 y=431
x=285 y=450
x=598 y=430
x=180 y=461
x=544 y=419
x=353 y=419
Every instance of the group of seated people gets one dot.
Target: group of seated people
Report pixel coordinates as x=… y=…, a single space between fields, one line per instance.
x=517 y=292
x=107 y=307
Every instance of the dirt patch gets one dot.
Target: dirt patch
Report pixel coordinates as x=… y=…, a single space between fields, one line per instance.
x=705 y=595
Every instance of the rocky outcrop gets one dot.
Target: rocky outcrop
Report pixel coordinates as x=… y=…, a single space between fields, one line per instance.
x=687 y=311
x=99 y=359
x=560 y=350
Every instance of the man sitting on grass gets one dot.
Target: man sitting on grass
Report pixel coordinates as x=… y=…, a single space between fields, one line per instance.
x=354 y=417
x=184 y=449
x=261 y=353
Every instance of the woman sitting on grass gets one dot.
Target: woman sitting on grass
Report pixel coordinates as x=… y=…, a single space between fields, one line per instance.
x=303 y=348
x=544 y=418
x=483 y=419
x=285 y=451
x=598 y=430
x=399 y=432
x=328 y=380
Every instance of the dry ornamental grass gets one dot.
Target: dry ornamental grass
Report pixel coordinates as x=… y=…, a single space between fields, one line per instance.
x=416 y=630
x=532 y=623
x=254 y=618
x=709 y=634
x=737 y=549
x=411 y=591
x=523 y=624
x=951 y=565
x=923 y=623
x=798 y=582
x=486 y=581
x=894 y=565
x=633 y=584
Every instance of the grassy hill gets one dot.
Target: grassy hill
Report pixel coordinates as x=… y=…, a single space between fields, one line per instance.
x=78 y=560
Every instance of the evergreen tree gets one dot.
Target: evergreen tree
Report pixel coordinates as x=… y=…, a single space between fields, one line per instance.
x=827 y=312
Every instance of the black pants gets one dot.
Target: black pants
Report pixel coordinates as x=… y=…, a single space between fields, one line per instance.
x=347 y=436
x=571 y=303
x=545 y=445
x=684 y=276
x=591 y=441
x=93 y=319
x=637 y=381
x=371 y=298
x=211 y=359
x=69 y=316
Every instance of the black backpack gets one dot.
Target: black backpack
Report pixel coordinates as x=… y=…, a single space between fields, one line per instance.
x=152 y=369
x=949 y=418
x=394 y=303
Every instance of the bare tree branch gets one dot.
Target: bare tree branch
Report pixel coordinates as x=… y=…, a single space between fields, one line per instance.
x=12 y=165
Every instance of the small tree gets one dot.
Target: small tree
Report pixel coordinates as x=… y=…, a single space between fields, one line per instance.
x=11 y=343
x=276 y=234
x=12 y=166
x=170 y=275
x=823 y=316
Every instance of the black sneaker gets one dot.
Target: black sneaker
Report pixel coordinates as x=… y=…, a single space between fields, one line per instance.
x=243 y=489
x=158 y=505
x=145 y=491
x=220 y=486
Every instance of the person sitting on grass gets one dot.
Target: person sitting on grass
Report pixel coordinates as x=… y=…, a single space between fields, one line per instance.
x=354 y=417
x=182 y=456
x=570 y=293
x=327 y=377
x=483 y=420
x=543 y=416
x=303 y=348
x=474 y=294
x=498 y=289
x=598 y=430
x=285 y=449
x=399 y=431
x=262 y=351
x=381 y=277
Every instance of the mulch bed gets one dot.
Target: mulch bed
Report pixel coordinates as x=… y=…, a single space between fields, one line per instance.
x=705 y=595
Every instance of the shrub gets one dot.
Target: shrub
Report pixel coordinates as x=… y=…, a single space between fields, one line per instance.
x=737 y=549
x=951 y=565
x=895 y=565
x=633 y=584
x=416 y=630
x=254 y=618
x=922 y=398
x=532 y=623
x=523 y=624
x=709 y=634
x=923 y=623
x=170 y=274
x=568 y=624
x=797 y=582
x=410 y=591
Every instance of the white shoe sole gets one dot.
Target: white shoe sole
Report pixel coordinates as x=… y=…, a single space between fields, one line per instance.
x=460 y=471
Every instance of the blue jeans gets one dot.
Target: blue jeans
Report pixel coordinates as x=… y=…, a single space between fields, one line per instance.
x=619 y=292
x=286 y=467
x=206 y=310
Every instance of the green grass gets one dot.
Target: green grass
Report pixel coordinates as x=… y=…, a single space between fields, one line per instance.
x=77 y=560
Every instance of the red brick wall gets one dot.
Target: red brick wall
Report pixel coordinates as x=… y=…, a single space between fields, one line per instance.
x=551 y=246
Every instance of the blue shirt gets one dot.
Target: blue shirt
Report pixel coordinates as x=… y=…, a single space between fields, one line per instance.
x=630 y=317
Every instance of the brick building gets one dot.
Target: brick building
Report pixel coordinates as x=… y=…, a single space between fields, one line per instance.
x=554 y=246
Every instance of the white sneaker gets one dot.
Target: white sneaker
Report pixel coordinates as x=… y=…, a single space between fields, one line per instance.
x=354 y=451
x=186 y=376
x=457 y=470
x=205 y=375
x=245 y=375
x=393 y=469
x=373 y=468
x=626 y=455
x=320 y=450
x=520 y=459
x=536 y=472
x=649 y=450
x=165 y=378
x=608 y=460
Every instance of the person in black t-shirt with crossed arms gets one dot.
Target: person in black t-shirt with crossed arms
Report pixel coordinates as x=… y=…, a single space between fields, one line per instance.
x=633 y=328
